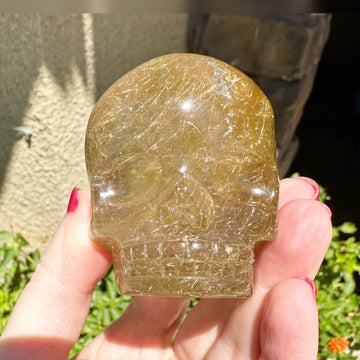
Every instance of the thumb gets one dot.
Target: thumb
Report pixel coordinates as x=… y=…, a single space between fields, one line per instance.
x=56 y=301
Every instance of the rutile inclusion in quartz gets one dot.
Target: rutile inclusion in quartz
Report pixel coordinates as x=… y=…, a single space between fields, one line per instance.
x=180 y=154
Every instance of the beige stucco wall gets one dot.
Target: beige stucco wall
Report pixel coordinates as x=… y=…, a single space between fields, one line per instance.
x=52 y=70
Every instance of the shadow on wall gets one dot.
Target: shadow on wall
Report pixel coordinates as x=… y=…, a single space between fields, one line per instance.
x=27 y=42
x=19 y=68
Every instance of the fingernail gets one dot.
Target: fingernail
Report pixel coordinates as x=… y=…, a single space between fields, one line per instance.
x=310 y=282
x=74 y=201
x=328 y=210
x=314 y=184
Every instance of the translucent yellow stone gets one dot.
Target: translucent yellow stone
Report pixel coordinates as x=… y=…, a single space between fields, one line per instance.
x=180 y=154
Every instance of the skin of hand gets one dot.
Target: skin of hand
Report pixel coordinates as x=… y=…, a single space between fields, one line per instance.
x=280 y=321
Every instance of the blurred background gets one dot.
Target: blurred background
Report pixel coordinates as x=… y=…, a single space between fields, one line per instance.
x=329 y=129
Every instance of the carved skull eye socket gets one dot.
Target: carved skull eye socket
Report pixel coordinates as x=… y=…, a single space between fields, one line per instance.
x=244 y=181
x=130 y=179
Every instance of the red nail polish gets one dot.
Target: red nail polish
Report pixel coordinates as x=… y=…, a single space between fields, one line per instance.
x=313 y=184
x=310 y=282
x=74 y=201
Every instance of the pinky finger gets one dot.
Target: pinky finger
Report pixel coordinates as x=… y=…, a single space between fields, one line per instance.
x=289 y=328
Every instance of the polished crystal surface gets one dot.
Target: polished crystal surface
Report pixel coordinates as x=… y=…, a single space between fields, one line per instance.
x=180 y=154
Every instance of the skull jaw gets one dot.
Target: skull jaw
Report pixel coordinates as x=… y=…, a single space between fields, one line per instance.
x=182 y=268
x=193 y=287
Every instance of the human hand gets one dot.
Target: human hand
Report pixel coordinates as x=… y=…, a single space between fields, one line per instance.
x=278 y=322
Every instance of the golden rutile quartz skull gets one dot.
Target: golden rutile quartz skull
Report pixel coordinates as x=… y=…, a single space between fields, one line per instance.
x=180 y=154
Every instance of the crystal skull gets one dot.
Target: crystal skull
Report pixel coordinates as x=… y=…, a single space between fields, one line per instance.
x=180 y=154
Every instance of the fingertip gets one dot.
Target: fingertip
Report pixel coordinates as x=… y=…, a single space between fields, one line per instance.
x=290 y=322
x=310 y=282
x=306 y=211
x=303 y=237
x=80 y=203
x=314 y=185
x=295 y=295
x=317 y=215
x=297 y=188
x=327 y=209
